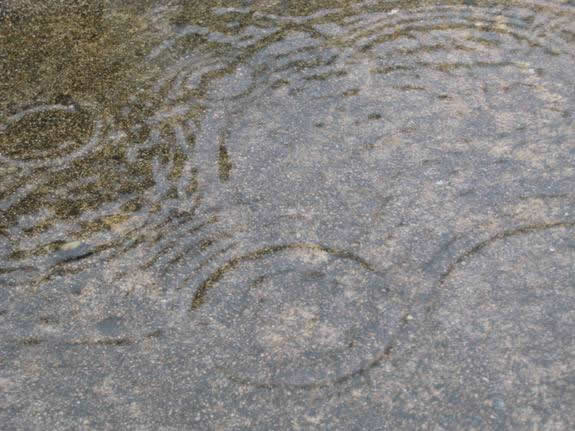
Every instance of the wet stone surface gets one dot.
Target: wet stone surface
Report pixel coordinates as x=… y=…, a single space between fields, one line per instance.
x=287 y=215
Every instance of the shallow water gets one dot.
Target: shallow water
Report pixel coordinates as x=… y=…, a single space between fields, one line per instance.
x=293 y=188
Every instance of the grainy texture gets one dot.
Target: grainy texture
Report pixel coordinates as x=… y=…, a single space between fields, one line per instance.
x=287 y=215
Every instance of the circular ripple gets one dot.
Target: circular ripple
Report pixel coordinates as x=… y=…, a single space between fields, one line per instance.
x=506 y=305
x=298 y=314
x=397 y=103
x=49 y=135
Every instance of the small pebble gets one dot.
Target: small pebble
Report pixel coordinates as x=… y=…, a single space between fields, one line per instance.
x=70 y=245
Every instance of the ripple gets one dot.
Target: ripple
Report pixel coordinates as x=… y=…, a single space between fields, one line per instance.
x=474 y=28
x=383 y=92
x=506 y=305
x=321 y=121
x=49 y=135
x=102 y=195
x=298 y=314
x=351 y=126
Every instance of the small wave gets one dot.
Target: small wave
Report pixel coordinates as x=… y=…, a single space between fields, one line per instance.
x=299 y=314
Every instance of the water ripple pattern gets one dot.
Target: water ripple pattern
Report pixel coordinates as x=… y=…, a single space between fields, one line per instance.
x=292 y=184
x=510 y=300
x=298 y=314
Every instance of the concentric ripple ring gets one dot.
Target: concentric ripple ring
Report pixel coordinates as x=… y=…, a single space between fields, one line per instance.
x=298 y=314
x=68 y=147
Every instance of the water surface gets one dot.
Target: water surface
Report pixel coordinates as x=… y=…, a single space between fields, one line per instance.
x=290 y=187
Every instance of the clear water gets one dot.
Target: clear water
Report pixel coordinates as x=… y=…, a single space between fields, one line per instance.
x=283 y=183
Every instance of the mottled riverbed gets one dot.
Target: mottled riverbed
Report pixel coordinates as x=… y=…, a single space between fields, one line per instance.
x=287 y=215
